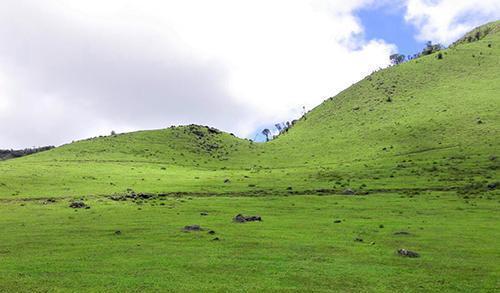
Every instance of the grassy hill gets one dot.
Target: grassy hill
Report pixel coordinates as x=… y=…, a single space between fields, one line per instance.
x=426 y=124
x=405 y=158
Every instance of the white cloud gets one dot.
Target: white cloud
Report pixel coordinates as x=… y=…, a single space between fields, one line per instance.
x=123 y=64
x=4 y=102
x=445 y=21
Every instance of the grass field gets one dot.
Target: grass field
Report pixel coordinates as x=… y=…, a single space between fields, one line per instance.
x=412 y=148
x=297 y=247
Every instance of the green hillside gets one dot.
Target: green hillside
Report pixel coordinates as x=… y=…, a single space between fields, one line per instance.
x=426 y=124
x=404 y=160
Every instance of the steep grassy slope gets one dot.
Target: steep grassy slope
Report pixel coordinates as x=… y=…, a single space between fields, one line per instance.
x=433 y=119
x=426 y=124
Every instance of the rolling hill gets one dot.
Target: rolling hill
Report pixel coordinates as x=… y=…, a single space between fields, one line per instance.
x=426 y=124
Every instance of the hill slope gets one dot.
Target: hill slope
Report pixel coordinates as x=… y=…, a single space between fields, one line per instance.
x=430 y=123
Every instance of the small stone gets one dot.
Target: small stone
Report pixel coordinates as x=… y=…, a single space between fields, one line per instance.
x=408 y=253
x=239 y=218
x=401 y=233
x=349 y=191
x=78 y=205
x=192 y=228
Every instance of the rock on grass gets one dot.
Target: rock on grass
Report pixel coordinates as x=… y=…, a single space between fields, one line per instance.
x=242 y=219
x=408 y=253
x=78 y=205
x=192 y=228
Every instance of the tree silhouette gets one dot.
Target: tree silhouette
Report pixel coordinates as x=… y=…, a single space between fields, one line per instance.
x=267 y=133
x=397 y=58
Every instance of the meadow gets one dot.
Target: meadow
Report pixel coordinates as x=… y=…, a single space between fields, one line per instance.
x=407 y=158
x=299 y=246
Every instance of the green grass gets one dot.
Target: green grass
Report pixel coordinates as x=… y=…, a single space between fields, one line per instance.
x=418 y=143
x=297 y=247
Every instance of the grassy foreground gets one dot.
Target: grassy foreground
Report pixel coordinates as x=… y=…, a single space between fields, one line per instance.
x=297 y=247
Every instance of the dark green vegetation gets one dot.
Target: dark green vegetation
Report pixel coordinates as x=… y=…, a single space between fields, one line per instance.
x=10 y=154
x=417 y=144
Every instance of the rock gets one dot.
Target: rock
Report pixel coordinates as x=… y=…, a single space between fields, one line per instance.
x=118 y=232
x=349 y=191
x=203 y=214
x=216 y=239
x=408 y=253
x=211 y=232
x=242 y=219
x=401 y=233
x=337 y=221
x=358 y=240
x=78 y=205
x=227 y=180
x=192 y=228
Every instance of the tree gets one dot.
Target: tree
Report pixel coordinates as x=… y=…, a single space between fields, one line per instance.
x=431 y=48
x=267 y=133
x=278 y=127
x=397 y=58
x=113 y=132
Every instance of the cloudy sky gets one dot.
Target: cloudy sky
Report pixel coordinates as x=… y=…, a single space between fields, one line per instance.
x=71 y=69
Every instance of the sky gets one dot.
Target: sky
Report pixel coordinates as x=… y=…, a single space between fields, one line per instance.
x=75 y=69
